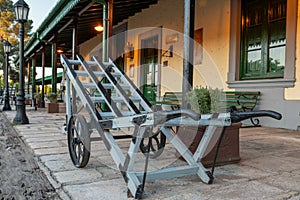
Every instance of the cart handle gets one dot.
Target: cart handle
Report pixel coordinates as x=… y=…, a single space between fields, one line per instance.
x=163 y=116
x=240 y=116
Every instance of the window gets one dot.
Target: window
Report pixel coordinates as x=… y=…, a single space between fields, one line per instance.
x=263 y=39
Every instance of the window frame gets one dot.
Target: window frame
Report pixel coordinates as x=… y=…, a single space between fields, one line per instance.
x=288 y=79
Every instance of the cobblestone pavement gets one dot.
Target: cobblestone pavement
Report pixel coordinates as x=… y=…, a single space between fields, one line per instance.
x=269 y=166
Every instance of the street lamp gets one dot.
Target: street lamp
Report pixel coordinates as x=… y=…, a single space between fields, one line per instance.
x=21 y=10
x=7 y=47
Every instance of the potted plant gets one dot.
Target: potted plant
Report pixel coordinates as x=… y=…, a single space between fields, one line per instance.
x=53 y=106
x=205 y=100
x=38 y=99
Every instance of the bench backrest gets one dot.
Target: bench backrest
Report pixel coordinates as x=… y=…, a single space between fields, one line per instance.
x=234 y=100
x=172 y=98
x=241 y=100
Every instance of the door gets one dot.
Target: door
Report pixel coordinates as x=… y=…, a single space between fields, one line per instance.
x=150 y=67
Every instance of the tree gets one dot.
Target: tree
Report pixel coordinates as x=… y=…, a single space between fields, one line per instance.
x=9 y=28
x=1 y=83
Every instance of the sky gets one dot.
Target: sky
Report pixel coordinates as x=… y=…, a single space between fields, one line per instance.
x=39 y=10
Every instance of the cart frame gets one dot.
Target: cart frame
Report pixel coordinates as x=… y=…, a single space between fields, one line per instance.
x=138 y=116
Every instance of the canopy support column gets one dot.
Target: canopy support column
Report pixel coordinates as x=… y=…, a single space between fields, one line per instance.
x=54 y=67
x=75 y=38
x=188 y=51
x=110 y=24
x=33 y=75
x=28 y=78
x=104 y=34
x=43 y=76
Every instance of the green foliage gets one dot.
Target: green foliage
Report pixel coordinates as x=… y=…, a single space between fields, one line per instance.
x=216 y=96
x=199 y=100
x=205 y=100
x=37 y=96
x=7 y=24
x=52 y=97
x=13 y=76
x=1 y=82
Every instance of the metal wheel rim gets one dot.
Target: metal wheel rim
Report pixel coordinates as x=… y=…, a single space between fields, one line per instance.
x=157 y=149
x=78 y=152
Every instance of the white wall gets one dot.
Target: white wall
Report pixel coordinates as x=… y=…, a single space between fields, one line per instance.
x=167 y=14
x=294 y=93
x=214 y=17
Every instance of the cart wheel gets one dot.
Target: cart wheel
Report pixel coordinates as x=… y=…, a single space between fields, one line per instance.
x=79 y=141
x=157 y=144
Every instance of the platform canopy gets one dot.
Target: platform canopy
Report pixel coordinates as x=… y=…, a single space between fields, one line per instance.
x=59 y=23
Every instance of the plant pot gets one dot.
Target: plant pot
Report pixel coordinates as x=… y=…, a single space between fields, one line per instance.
x=62 y=107
x=229 y=151
x=53 y=107
x=27 y=101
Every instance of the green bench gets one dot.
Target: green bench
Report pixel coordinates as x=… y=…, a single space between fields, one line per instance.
x=173 y=99
x=241 y=101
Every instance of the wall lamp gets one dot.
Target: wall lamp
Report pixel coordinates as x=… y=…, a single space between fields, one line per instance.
x=99 y=28
x=169 y=52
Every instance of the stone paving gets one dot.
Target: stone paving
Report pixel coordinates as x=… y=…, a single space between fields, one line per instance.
x=269 y=166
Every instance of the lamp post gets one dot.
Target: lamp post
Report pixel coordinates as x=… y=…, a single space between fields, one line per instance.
x=7 y=47
x=21 y=10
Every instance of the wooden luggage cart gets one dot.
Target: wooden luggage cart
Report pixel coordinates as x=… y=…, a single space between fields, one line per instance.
x=112 y=102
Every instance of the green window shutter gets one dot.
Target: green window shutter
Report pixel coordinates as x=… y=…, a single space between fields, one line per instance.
x=263 y=39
